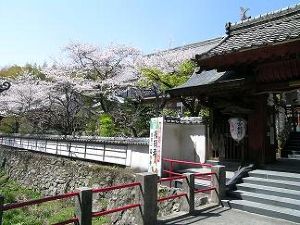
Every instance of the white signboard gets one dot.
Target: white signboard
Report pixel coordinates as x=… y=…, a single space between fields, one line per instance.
x=155 y=145
x=238 y=128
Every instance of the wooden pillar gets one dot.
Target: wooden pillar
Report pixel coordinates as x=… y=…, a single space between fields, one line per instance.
x=257 y=124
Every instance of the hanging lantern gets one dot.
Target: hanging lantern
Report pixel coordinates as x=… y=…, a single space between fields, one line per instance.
x=238 y=128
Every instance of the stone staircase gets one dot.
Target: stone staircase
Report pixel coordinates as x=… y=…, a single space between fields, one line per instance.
x=269 y=193
x=292 y=147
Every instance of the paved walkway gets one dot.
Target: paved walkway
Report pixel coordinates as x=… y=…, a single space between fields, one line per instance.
x=224 y=216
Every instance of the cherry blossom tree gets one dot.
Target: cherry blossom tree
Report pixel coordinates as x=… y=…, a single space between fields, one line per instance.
x=27 y=94
x=100 y=73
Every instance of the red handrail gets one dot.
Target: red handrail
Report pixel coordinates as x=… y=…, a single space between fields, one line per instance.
x=172 y=178
x=172 y=173
x=42 y=200
x=72 y=194
x=171 y=197
x=187 y=162
x=102 y=213
x=116 y=187
x=204 y=174
x=205 y=189
x=38 y=201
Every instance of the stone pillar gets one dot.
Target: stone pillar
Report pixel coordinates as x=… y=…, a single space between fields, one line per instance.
x=1 y=209
x=188 y=185
x=83 y=206
x=218 y=181
x=148 y=198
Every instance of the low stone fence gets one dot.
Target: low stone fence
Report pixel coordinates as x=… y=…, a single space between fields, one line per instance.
x=131 y=152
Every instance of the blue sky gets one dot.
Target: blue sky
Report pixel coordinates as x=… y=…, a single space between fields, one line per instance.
x=37 y=30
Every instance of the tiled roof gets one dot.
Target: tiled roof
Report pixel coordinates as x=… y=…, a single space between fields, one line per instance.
x=206 y=77
x=198 y=47
x=268 y=29
x=209 y=81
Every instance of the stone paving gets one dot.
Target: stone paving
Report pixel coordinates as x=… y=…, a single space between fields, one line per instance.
x=224 y=216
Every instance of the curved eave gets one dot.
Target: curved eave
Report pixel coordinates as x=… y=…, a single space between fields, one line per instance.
x=209 y=89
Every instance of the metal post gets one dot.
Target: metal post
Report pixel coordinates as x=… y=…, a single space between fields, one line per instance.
x=148 y=198
x=219 y=182
x=85 y=145
x=56 y=148
x=1 y=209
x=46 y=142
x=83 y=206
x=104 y=148
x=188 y=186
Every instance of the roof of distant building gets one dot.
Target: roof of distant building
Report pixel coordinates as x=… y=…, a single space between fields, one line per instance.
x=197 y=47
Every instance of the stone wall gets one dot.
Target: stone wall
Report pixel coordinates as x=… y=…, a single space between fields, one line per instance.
x=55 y=175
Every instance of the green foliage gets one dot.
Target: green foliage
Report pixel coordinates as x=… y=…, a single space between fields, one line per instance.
x=9 y=125
x=91 y=125
x=166 y=80
x=14 y=71
x=11 y=72
x=34 y=70
x=107 y=127
x=25 y=126
x=169 y=112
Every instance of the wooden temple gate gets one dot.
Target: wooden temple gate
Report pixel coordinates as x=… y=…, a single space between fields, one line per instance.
x=259 y=58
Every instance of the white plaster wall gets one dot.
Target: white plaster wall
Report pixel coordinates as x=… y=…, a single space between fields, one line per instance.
x=171 y=142
x=134 y=156
x=138 y=155
x=184 y=142
x=193 y=142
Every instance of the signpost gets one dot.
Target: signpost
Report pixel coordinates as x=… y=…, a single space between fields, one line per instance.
x=155 y=145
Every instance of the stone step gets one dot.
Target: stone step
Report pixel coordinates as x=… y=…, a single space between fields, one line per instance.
x=267 y=199
x=292 y=185
x=292 y=148
x=294 y=141
x=275 y=175
x=291 y=156
x=294 y=156
x=292 y=145
x=265 y=209
x=281 y=192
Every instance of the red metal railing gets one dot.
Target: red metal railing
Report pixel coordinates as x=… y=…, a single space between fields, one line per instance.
x=174 y=161
x=180 y=177
x=72 y=194
x=204 y=176
x=43 y=200
x=201 y=176
x=171 y=172
x=116 y=187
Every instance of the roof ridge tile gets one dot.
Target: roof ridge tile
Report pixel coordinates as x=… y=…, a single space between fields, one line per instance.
x=266 y=17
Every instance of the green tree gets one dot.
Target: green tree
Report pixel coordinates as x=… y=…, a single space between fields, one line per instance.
x=107 y=127
x=11 y=72
x=158 y=82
